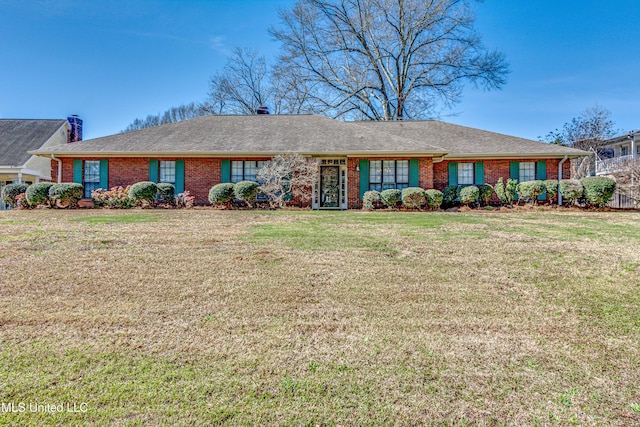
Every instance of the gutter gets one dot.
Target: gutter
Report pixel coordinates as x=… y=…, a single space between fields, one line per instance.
x=560 y=179
x=53 y=157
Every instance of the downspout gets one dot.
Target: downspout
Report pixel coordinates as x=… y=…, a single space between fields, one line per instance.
x=560 y=179
x=53 y=157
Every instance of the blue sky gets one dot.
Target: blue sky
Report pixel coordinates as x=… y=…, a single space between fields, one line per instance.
x=112 y=61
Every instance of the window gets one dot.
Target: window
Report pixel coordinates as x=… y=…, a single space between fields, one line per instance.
x=245 y=170
x=91 y=177
x=168 y=171
x=624 y=151
x=388 y=174
x=527 y=171
x=465 y=173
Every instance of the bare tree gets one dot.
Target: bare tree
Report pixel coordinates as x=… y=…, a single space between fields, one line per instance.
x=172 y=115
x=589 y=131
x=386 y=59
x=288 y=174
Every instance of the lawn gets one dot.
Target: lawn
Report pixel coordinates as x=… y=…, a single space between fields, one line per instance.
x=208 y=317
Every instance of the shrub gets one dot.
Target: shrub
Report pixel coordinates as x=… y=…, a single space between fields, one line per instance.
x=370 y=200
x=38 y=194
x=500 y=191
x=66 y=194
x=451 y=195
x=167 y=192
x=598 y=190
x=221 y=194
x=434 y=199
x=390 y=197
x=469 y=194
x=144 y=191
x=486 y=193
x=116 y=198
x=185 y=200
x=10 y=192
x=413 y=197
x=530 y=190
x=571 y=190
x=551 y=186
x=510 y=190
x=247 y=191
x=21 y=202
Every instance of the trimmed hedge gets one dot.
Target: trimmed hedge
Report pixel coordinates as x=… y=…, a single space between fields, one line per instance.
x=413 y=197
x=10 y=192
x=450 y=195
x=469 y=194
x=486 y=193
x=530 y=190
x=434 y=199
x=221 y=194
x=571 y=189
x=167 y=192
x=143 y=191
x=391 y=197
x=247 y=191
x=66 y=194
x=598 y=190
x=370 y=199
x=551 y=186
x=38 y=194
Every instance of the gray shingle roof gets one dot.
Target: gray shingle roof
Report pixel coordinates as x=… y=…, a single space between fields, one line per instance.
x=256 y=135
x=18 y=136
x=462 y=141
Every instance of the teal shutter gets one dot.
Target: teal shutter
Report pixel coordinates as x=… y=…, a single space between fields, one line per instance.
x=453 y=173
x=225 y=171
x=104 y=174
x=153 y=171
x=364 y=177
x=414 y=173
x=514 y=170
x=541 y=174
x=479 y=175
x=77 y=171
x=179 y=176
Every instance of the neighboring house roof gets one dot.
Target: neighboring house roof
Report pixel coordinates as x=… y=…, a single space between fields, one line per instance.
x=622 y=139
x=248 y=135
x=19 y=136
x=466 y=142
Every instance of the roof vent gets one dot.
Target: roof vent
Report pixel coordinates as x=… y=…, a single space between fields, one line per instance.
x=262 y=110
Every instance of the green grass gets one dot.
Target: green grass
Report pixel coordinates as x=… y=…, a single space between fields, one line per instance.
x=208 y=317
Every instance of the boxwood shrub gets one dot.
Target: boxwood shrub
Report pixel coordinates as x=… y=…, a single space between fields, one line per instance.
x=221 y=194
x=66 y=194
x=144 y=191
x=390 y=197
x=486 y=193
x=530 y=190
x=451 y=195
x=469 y=194
x=167 y=192
x=370 y=200
x=413 y=197
x=38 y=194
x=571 y=190
x=10 y=192
x=247 y=191
x=598 y=190
x=551 y=186
x=434 y=199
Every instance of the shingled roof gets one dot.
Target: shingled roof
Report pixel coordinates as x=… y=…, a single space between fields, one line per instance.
x=465 y=142
x=249 y=135
x=18 y=136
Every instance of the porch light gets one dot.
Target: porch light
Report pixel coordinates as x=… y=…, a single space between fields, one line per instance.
x=357 y=168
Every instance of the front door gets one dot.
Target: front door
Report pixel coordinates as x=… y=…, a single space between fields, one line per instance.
x=330 y=187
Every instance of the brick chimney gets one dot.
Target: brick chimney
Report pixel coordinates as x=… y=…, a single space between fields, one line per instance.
x=76 y=128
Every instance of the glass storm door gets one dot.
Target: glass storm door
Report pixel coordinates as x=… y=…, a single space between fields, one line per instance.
x=330 y=187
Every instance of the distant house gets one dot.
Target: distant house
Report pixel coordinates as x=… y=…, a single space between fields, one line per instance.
x=354 y=157
x=623 y=149
x=19 y=136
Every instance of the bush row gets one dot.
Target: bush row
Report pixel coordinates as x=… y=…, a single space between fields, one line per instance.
x=224 y=194
x=411 y=198
x=42 y=193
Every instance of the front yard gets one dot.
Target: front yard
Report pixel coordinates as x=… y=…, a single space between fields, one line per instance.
x=207 y=317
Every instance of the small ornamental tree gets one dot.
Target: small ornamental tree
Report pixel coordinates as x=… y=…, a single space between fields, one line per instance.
x=598 y=190
x=38 y=194
x=247 y=191
x=434 y=199
x=10 y=192
x=571 y=190
x=551 y=187
x=288 y=176
x=370 y=200
x=469 y=194
x=413 y=197
x=143 y=192
x=221 y=194
x=66 y=194
x=390 y=197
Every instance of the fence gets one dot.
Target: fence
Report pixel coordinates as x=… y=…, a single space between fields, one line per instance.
x=623 y=201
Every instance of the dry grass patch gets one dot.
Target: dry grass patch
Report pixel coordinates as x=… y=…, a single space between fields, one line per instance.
x=211 y=317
